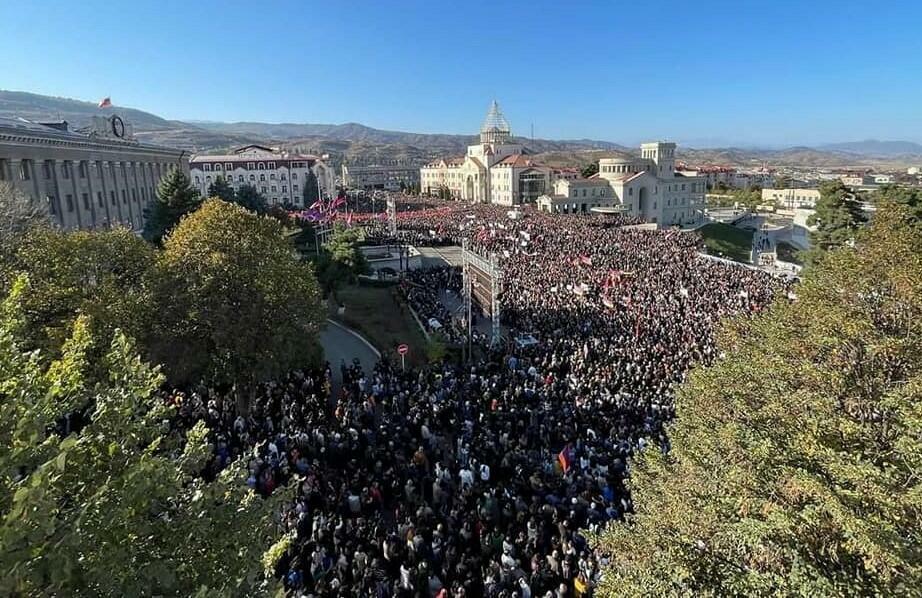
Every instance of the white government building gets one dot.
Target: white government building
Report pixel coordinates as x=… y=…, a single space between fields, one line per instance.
x=498 y=171
x=278 y=176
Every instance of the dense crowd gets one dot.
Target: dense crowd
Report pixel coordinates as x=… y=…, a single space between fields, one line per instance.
x=482 y=479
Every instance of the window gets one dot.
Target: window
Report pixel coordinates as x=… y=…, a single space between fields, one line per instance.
x=99 y=200
x=260 y=166
x=47 y=165
x=112 y=197
x=284 y=188
x=86 y=201
x=207 y=167
x=2 y=170
x=240 y=178
x=228 y=166
x=124 y=197
x=81 y=168
x=272 y=176
x=263 y=189
x=272 y=165
x=25 y=170
x=251 y=166
x=294 y=187
x=52 y=209
x=273 y=188
x=262 y=177
x=197 y=180
x=134 y=195
x=294 y=176
x=283 y=177
x=252 y=177
x=65 y=169
x=208 y=179
x=70 y=202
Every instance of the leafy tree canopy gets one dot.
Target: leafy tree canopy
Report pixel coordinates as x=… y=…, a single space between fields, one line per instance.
x=113 y=506
x=222 y=190
x=175 y=198
x=18 y=215
x=251 y=199
x=795 y=459
x=837 y=218
x=342 y=261
x=590 y=170
x=238 y=306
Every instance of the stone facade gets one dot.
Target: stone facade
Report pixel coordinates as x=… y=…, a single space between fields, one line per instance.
x=89 y=179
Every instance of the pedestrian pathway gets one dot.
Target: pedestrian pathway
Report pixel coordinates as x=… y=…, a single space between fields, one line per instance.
x=341 y=344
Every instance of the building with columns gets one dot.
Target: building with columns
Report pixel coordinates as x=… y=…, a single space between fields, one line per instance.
x=496 y=170
x=279 y=176
x=647 y=187
x=93 y=178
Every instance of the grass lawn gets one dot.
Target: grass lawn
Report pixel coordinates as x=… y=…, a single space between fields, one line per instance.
x=727 y=241
x=385 y=322
x=789 y=253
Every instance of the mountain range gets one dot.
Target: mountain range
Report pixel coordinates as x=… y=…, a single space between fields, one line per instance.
x=354 y=142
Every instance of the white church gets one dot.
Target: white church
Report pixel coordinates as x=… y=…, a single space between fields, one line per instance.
x=499 y=171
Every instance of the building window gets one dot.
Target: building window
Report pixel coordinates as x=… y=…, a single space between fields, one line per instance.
x=52 y=209
x=197 y=181
x=240 y=178
x=252 y=177
x=25 y=170
x=46 y=169
x=294 y=175
x=251 y=166
x=272 y=176
x=65 y=169
x=134 y=195
x=70 y=202
x=273 y=188
x=86 y=201
x=124 y=197
x=81 y=168
x=112 y=197
x=206 y=167
x=99 y=199
x=262 y=177
x=283 y=177
x=271 y=165
x=228 y=166
x=260 y=166
x=294 y=187
x=284 y=188
x=263 y=189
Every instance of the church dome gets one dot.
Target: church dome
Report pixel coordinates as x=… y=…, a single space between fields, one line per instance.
x=495 y=127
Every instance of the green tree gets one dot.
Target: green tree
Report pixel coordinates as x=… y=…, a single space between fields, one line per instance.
x=222 y=190
x=175 y=198
x=837 y=219
x=590 y=169
x=116 y=507
x=104 y=275
x=311 y=189
x=237 y=305
x=911 y=197
x=342 y=260
x=795 y=457
x=251 y=199
x=18 y=215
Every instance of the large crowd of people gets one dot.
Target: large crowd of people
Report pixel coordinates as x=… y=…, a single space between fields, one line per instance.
x=481 y=479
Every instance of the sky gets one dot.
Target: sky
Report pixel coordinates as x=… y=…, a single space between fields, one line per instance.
x=759 y=73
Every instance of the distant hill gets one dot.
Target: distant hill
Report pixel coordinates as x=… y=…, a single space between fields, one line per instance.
x=873 y=147
x=354 y=142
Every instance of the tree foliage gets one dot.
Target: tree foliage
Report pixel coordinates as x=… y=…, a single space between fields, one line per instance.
x=911 y=197
x=795 y=460
x=237 y=304
x=251 y=199
x=104 y=275
x=342 y=260
x=222 y=190
x=18 y=215
x=175 y=198
x=590 y=170
x=114 y=507
x=311 y=192
x=838 y=217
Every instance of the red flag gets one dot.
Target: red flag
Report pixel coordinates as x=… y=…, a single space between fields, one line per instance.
x=106 y=102
x=564 y=458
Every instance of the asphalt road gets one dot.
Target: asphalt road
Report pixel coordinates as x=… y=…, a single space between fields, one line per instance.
x=340 y=345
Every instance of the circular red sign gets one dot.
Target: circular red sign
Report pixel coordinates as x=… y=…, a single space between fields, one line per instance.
x=403 y=349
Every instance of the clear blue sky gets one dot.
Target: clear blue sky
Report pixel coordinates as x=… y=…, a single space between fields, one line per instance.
x=756 y=72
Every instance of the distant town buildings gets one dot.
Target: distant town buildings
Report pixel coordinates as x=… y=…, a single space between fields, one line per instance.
x=277 y=175
x=389 y=177
x=729 y=177
x=92 y=178
x=791 y=198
